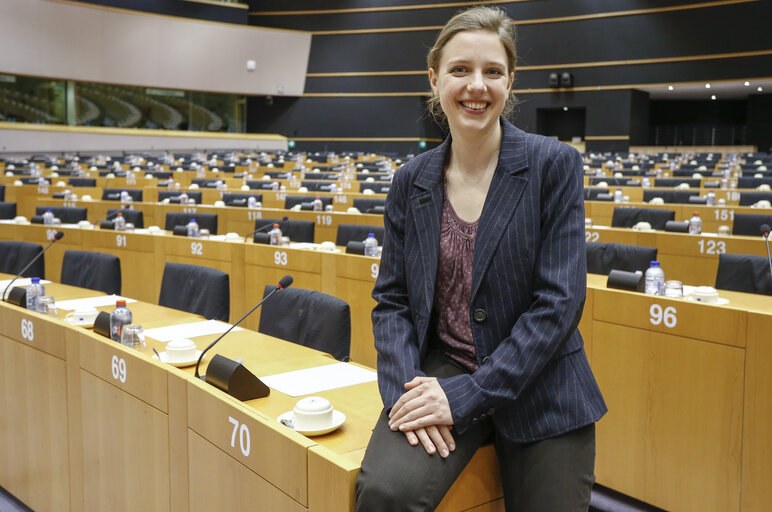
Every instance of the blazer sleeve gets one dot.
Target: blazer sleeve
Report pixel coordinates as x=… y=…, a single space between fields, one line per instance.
x=394 y=331
x=559 y=290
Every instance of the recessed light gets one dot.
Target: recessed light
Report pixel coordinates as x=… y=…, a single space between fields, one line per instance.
x=707 y=86
x=759 y=88
x=565 y=109
x=746 y=84
x=713 y=97
x=670 y=87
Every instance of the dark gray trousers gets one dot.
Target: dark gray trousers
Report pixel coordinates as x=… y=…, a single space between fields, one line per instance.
x=555 y=474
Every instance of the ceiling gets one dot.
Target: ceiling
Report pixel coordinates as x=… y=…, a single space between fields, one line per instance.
x=723 y=90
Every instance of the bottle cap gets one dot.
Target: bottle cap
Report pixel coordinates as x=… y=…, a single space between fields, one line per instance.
x=192 y=220
x=120 y=214
x=120 y=303
x=370 y=235
x=276 y=225
x=35 y=280
x=654 y=263
x=696 y=214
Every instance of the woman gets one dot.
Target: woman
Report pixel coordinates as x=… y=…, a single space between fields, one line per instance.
x=481 y=287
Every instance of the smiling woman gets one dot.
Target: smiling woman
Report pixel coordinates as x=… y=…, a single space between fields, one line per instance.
x=480 y=291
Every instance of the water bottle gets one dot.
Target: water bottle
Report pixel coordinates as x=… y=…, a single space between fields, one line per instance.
x=120 y=222
x=711 y=199
x=275 y=185
x=183 y=198
x=618 y=197
x=251 y=202
x=318 y=205
x=118 y=318
x=34 y=291
x=333 y=189
x=125 y=197
x=48 y=217
x=274 y=235
x=371 y=245
x=655 y=279
x=695 y=224
x=645 y=182
x=193 y=228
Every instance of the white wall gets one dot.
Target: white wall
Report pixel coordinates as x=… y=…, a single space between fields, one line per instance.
x=59 y=40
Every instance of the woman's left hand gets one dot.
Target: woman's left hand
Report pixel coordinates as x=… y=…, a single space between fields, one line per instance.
x=423 y=404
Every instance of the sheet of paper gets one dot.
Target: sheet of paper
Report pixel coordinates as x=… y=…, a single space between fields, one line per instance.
x=91 y=302
x=318 y=379
x=22 y=281
x=190 y=330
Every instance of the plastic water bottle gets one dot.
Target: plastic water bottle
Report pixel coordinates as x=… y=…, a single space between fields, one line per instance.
x=695 y=224
x=193 y=228
x=125 y=197
x=251 y=202
x=655 y=279
x=118 y=318
x=275 y=185
x=48 y=217
x=120 y=222
x=618 y=196
x=711 y=199
x=318 y=205
x=333 y=189
x=274 y=235
x=371 y=245
x=183 y=198
x=34 y=291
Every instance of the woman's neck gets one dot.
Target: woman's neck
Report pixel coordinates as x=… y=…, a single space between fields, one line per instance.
x=475 y=153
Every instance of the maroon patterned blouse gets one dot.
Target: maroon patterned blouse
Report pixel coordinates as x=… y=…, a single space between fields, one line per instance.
x=454 y=287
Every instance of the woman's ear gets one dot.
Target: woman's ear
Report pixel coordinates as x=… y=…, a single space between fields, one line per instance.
x=511 y=80
x=433 y=81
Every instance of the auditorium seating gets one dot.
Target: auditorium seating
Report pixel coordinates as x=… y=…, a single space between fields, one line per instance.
x=296 y=230
x=357 y=233
x=750 y=224
x=744 y=273
x=625 y=217
x=7 y=210
x=602 y=257
x=196 y=289
x=15 y=255
x=67 y=215
x=93 y=270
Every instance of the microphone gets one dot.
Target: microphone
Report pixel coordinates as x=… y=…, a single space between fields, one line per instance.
x=109 y=218
x=231 y=376
x=58 y=236
x=265 y=228
x=764 y=228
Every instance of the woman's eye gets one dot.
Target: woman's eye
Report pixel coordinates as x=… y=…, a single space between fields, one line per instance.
x=458 y=69
x=495 y=72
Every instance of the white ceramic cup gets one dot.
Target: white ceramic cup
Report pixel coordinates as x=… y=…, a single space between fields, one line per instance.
x=181 y=350
x=312 y=413
x=20 y=219
x=82 y=315
x=642 y=226
x=706 y=294
x=84 y=224
x=327 y=246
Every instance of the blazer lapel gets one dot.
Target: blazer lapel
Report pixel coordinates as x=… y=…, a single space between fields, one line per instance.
x=504 y=194
x=426 y=204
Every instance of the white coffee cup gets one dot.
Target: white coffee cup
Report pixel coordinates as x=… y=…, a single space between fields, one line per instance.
x=84 y=224
x=312 y=413
x=706 y=294
x=327 y=246
x=20 y=219
x=232 y=237
x=180 y=350
x=642 y=226
x=82 y=315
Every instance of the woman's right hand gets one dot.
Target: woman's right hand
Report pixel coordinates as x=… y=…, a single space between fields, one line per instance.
x=434 y=439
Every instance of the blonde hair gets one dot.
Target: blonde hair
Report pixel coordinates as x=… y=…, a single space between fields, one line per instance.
x=489 y=19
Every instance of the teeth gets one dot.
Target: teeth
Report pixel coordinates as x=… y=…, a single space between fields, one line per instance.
x=476 y=106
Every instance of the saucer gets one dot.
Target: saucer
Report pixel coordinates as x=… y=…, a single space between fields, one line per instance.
x=84 y=323
x=179 y=364
x=337 y=420
x=720 y=302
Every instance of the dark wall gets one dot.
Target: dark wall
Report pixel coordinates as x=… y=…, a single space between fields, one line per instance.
x=202 y=11
x=698 y=123
x=597 y=51
x=759 y=120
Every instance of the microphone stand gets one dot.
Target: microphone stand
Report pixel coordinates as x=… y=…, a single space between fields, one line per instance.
x=57 y=236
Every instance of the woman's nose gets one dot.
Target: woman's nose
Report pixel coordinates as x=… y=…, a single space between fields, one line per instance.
x=476 y=83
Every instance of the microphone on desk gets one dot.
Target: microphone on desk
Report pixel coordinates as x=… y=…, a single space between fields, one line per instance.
x=764 y=228
x=107 y=222
x=232 y=376
x=21 y=297
x=265 y=228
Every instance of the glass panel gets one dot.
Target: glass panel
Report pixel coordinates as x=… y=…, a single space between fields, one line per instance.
x=32 y=100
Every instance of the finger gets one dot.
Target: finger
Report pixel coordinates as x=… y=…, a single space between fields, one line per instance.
x=421 y=417
x=417 y=381
x=423 y=437
x=438 y=440
x=411 y=438
x=447 y=436
x=410 y=395
x=406 y=407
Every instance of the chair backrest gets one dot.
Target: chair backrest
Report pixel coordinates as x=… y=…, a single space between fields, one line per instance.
x=674 y=182
x=378 y=188
x=204 y=220
x=2 y=192
x=368 y=205
x=669 y=196
x=629 y=217
x=296 y=230
x=603 y=257
x=745 y=182
x=201 y=290
x=15 y=255
x=260 y=184
x=749 y=198
x=749 y=224
x=82 y=182
x=7 y=210
x=240 y=198
x=205 y=182
x=114 y=194
x=171 y=194
x=591 y=194
x=316 y=186
x=744 y=273
x=293 y=200
x=136 y=217
x=309 y=318
x=357 y=233
x=65 y=214
x=93 y=270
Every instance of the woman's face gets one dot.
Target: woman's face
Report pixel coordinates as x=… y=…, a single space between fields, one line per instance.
x=472 y=81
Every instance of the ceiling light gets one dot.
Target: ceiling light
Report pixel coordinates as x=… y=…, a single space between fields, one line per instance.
x=746 y=84
x=713 y=97
x=565 y=109
x=707 y=86
x=669 y=87
x=759 y=88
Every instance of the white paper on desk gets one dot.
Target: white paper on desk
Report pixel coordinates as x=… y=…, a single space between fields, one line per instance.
x=190 y=330
x=91 y=302
x=321 y=378
x=22 y=281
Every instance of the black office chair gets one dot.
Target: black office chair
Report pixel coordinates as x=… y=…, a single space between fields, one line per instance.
x=378 y=188
x=745 y=182
x=7 y=210
x=603 y=257
x=204 y=220
x=205 y=182
x=744 y=273
x=66 y=214
x=357 y=233
x=15 y=255
x=317 y=186
x=82 y=182
x=240 y=198
x=296 y=230
x=2 y=193
x=305 y=201
x=669 y=196
x=369 y=205
x=591 y=194
x=136 y=217
x=674 y=182
x=749 y=224
x=114 y=194
x=174 y=195
x=629 y=217
x=93 y=270
x=309 y=318
x=201 y=290
x=749 y=198
x=260 y=184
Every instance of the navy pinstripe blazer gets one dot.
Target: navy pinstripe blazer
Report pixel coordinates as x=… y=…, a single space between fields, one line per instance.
x=528 y=289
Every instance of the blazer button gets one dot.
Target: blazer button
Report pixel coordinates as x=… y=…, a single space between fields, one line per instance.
x=475 y=420
x=480 y=315
x=486 y=359
x=491 y=411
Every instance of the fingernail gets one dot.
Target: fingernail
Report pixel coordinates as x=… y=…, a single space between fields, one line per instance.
x=452 y=446
x=402 y=427
x=444 y=453
x=431 y=449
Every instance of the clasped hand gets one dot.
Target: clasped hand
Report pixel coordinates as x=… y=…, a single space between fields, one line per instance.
x=423 y=414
